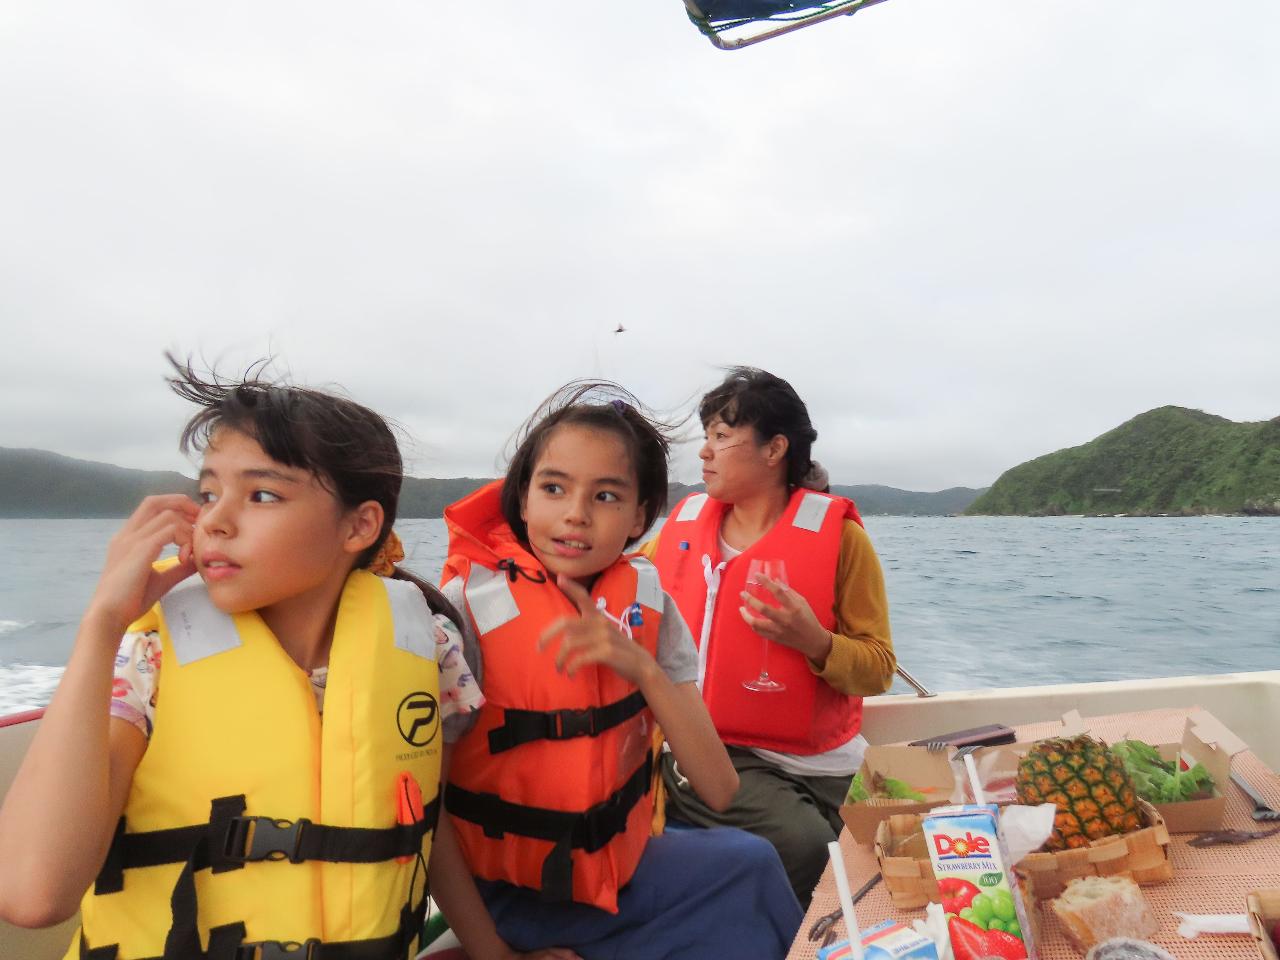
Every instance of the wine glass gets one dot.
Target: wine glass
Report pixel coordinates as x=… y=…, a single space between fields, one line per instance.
x=775 y=570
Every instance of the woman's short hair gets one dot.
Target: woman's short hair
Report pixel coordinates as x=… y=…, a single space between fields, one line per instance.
x=756 y=398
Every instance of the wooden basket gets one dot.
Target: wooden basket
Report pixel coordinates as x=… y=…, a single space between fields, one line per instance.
x=904 y=861
x=1264 y=913
x=908 y=872
x=1142 y=856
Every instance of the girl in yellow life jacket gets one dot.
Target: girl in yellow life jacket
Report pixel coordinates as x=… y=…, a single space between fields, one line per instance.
x=220 y=818
x=581 y=654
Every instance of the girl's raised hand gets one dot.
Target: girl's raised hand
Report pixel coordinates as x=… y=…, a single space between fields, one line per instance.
x=129 y=585
x=791 y=622
x=591 y=638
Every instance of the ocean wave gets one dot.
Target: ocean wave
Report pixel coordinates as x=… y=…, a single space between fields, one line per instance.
x=8 y=626
x=26 y=686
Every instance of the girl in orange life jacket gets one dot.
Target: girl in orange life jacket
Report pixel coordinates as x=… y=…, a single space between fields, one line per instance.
x=550 y=793
x=795 y=750
x=298 y=493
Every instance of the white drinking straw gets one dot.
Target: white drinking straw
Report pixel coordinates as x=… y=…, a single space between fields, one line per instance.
x=846 y=900
x=974 y=780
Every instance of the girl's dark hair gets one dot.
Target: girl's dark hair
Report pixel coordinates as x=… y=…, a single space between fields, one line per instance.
x=598 y=405
x=771 y=406
x=349 y=448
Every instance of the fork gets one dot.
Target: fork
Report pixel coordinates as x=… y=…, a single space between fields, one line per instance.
x=1261 y=811
x=942 y=746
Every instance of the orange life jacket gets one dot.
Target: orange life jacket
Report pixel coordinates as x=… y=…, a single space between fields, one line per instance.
x=809 y=716
x=551 y=788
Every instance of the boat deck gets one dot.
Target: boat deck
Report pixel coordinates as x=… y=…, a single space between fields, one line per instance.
x=1206 y=880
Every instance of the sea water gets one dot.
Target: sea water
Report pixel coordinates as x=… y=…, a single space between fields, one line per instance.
x=974 y=601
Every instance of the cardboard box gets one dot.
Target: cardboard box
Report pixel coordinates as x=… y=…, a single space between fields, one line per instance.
x=929 y=773
x=936 y=776
x=1205 y=740
x=1264 y=913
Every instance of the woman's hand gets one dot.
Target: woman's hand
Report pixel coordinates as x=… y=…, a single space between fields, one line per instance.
x=592 y=638
x=551 y=953
x=129 y=585
x=791 y=622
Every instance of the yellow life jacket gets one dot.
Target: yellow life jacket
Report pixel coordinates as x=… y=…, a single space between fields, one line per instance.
x=252 y=830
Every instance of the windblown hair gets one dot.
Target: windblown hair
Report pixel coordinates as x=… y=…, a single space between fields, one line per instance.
x=768 y=404
x=348 y=448
x=597 y=405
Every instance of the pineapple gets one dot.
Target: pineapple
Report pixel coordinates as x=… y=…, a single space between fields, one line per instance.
x=1089 y=785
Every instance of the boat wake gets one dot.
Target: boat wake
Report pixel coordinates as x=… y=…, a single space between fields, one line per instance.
x=26 y=686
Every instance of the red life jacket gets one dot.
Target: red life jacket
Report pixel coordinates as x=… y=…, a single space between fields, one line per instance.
x=551 y=788
x=810 y=716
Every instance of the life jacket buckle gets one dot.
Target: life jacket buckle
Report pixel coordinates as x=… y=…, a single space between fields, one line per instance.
x=574 y=723
x=251 y=839
x=279 y=950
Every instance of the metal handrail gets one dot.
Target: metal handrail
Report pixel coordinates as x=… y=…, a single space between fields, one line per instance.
x=921 y=690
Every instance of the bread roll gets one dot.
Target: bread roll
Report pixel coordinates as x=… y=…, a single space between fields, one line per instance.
x=1093 y=909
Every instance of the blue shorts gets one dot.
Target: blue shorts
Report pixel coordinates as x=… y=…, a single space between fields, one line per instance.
x=711 y=893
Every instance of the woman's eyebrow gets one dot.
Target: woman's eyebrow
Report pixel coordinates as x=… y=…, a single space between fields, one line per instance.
x=266 y=473
x=552 y=473
x=256 y=473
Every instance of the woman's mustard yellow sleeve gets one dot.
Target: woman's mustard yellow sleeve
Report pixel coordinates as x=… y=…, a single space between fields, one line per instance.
x=861 y=661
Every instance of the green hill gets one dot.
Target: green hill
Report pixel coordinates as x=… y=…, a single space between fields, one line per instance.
x=37 y=483
x=1167 y=460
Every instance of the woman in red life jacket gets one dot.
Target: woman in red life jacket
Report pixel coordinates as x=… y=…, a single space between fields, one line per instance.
x=827 y=630
x=582 y=655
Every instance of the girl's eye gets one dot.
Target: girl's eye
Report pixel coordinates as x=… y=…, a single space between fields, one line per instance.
x=552 y=488
x=607 y=496
x=207 y=496
x=264 y=496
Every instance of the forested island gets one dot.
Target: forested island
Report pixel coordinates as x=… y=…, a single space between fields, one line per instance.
x=44 y=485
x=1167 y=461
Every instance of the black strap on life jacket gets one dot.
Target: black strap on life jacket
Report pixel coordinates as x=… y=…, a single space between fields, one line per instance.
x=526 y=726
x=235 y=840
x=230 y=840
x=228 y=943
x=513 y=570
x=589 y=830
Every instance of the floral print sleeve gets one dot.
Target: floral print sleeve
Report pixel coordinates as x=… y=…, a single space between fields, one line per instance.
x=460 y=696
x=136 y=680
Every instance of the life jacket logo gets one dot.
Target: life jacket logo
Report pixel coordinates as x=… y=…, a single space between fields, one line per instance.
x=418 y=718
x=961 y=846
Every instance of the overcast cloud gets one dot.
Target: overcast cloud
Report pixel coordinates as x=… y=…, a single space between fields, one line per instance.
x=968 y=231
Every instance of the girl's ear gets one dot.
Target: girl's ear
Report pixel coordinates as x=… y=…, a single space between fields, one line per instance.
x=364 y=525
x=777 y=449
x=639 y=526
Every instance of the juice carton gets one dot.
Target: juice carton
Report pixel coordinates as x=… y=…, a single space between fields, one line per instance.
x=973 y=873
x=887 y=940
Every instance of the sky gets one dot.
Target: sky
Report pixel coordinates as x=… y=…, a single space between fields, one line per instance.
x=969 y=232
